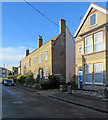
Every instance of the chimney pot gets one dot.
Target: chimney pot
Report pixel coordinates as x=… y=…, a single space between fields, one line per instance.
x=27 y=52
x=40 y=41
x=62 y=26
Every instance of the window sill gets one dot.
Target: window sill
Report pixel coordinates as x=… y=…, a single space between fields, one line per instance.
x=95 y=52
x=88 y=83
x=92 y=25
x=98 y=83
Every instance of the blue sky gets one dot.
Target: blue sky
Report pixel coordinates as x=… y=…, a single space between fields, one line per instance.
x=21 y=25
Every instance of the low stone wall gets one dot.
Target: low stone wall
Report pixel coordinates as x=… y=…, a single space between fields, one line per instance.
x=101 y=93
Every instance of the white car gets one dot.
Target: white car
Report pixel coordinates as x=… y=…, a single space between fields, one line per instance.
x=8 y=82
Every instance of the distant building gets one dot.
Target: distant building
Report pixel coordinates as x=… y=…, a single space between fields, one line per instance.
x=19 y=70
x=12 y=70
x=92 y=48
x=3 y=72
x=56 y=56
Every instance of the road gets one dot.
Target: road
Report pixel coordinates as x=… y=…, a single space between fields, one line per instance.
x=19 y=103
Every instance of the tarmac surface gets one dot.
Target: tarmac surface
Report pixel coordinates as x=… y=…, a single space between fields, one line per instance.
x=22 y=103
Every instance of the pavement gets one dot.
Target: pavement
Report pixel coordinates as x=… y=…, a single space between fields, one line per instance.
x=80 y=100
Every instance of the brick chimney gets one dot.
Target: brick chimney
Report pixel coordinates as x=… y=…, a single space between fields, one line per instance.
x=40 y=41
x=62 y=26
x=27 y=52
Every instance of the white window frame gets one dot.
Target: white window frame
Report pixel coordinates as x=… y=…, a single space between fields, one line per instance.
x=46 y=55
x=40 y=57
x=97 y=42
x=88 y=45
x=34 y=60
x=99 y=72
x=80 y=46
x=88 y=73
x=89 y=19
x=46 y=77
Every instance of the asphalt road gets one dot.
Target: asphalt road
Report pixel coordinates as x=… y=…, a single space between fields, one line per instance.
x=19 y=103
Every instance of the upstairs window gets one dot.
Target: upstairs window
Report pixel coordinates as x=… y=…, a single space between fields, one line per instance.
x=30 y=62
x=34 y=59
x=98 y=41
x=88 y=44
x=46 y=55
x=80 y=49
x=39 y=57
x=92 y=19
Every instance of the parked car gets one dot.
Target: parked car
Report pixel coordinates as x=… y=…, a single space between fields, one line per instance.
x=8 y=82
x=3 y=81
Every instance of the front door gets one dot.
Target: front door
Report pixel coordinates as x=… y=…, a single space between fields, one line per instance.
x=80 y=77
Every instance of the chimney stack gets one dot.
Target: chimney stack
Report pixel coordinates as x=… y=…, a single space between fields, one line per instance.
x=40 y=41
x=62 y=26
x=27 y=52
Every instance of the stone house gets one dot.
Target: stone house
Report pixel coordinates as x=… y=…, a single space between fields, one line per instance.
x=92 y=49
x=56 y=56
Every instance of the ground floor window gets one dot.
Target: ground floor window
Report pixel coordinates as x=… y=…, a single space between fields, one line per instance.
x=46 y=72
x=98 y=73
x=88 y=74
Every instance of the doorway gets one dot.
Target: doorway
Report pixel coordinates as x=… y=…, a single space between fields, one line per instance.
x=80 y=77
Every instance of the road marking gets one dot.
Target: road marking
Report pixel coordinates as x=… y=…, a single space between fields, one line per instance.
x=17 y=102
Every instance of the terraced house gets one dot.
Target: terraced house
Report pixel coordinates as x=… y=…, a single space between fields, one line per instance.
x=92 y=49
x=56 y=56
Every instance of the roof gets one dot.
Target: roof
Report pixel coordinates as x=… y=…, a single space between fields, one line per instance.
x=92 y=5
x=54 y=38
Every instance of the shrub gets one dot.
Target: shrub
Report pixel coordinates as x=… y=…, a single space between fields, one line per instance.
x=53 y=81
x=73 y=81
x=38 y=86
x=45 y=86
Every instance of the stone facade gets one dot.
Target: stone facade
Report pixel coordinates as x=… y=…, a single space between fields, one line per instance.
x=93 y=57
x=53 y=56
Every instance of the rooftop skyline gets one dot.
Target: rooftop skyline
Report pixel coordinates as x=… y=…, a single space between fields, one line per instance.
x=21 y=25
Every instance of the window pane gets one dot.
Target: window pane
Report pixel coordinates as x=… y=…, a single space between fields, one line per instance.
x=88 y=44
x=88 y=73
x=98 y=67
x=88 y=68
x=88 y=40
x=88 y=50
x=93 y=19
x=46 y=72
x=98 y=37
x=46 y=55
x=98 y=78
x=98 y=47
x=98 y=73
x=80 y=49
x=88 y=78
x=98 y=41
x=34 y=59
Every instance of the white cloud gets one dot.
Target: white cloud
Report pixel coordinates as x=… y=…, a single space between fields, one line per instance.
x=11 y=56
